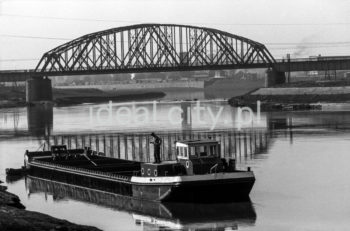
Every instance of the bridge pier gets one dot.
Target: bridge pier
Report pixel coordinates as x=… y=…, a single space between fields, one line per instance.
x=38 y=89
x=40 y=119
x=274 y=77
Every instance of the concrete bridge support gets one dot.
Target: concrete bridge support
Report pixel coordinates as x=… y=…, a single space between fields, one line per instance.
x=40 y=119
x=38 y=89
x=274 y=77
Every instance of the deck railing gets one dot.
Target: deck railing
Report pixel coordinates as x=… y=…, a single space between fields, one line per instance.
x=83 y=171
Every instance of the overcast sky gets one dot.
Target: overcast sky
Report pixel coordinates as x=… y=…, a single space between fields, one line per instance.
x=303 y=28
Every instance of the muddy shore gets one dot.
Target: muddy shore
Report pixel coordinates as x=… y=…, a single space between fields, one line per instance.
x=294 y=96
x=287 y=102
x=15 y=97
x=73 y=100
x=14 y=217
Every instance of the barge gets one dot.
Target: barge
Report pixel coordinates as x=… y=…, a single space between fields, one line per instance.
x=197 y=175
x=150 y=214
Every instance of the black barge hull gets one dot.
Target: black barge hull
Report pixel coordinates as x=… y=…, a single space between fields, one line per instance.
x=211 y=189
x=223 y=186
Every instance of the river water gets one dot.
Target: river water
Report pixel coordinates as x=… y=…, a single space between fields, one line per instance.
x=300 y=159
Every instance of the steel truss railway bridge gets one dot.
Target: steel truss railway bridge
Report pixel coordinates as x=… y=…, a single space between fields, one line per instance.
x=160 y=48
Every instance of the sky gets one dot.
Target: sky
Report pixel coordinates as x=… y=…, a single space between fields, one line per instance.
x=302 y=28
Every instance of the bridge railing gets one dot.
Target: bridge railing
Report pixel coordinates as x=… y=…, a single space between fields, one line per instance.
x=314 y=59
x=173 y=65
x=17 y=71
x=138 y=67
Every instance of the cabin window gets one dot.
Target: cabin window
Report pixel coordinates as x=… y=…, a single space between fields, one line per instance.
x=179 y=151
x=192 y=151
x=204 y=151
x=196 y=151
x=201 y=151
x=213 y=150
x=182 y=151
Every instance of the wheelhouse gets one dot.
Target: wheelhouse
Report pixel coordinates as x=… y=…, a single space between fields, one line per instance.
x=193 y=149
x=199 y=156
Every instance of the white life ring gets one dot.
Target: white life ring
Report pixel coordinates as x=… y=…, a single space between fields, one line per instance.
x=187 y=164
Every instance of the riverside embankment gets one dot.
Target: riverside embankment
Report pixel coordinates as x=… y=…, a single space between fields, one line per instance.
x=15 y=97
x=13 y=216
x=293 y=98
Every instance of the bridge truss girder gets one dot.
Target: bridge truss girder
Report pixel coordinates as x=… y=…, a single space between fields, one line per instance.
x=154 y=47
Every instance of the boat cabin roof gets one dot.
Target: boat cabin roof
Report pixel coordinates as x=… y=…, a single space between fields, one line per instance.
x=197 y=142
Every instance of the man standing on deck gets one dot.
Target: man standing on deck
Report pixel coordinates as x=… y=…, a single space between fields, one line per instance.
x=157 y=143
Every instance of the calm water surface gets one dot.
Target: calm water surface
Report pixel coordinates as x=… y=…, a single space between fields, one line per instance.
x=301 y=166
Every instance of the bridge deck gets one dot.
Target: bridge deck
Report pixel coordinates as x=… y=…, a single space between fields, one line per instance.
x=314 y=64
x=292 y=65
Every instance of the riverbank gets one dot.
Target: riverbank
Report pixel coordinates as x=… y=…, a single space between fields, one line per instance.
x=15 y=97
x=66 y=97
x=119 y=86
x=13 y=216
x=318 y=83
x=292 y=98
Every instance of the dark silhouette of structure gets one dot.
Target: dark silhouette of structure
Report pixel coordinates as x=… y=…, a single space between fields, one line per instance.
x=160 y=48
x=153 y=47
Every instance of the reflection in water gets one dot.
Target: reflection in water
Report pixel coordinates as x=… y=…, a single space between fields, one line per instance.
x=153 y=215
x=136 y=146
x=186 y=116
x=291 y=176
x=9 y=120
x=40 y=120
x=34 y=120
x=121 y=117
